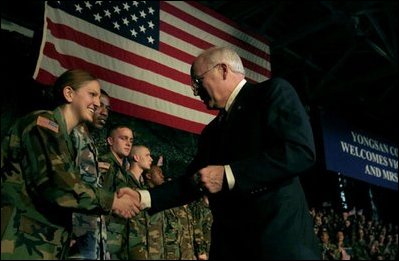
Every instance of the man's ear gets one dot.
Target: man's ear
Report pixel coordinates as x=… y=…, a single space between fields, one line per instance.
x=68 y=92
x=148 y=175
x=225 y=70
x=110 y=141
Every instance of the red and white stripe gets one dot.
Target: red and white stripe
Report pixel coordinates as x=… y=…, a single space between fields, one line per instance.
x=143 y=82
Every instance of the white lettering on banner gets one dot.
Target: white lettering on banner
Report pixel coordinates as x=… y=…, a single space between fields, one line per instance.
x=393 y=151
x=374 y=171
x=373 y=144
x=377 y=172
x=365 y=154
x=389 y=175
x=373 y=157
x=359 y=154
x=393 y=163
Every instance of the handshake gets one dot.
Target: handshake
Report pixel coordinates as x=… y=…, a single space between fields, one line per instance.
x=126 y=202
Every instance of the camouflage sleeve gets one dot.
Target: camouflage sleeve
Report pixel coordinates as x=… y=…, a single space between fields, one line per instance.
x=4 y=152
x=202 y=218
x=112 y=177
x=51 y=173
x=198 y=234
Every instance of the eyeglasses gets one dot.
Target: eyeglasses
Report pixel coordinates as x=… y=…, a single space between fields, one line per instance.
x=196 y=81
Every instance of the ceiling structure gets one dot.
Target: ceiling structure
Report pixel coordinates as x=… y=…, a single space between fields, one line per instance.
x=337 y=54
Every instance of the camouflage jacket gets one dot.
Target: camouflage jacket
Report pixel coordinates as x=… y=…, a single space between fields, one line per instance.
x=145 y=232
x=202 y=222
x=179 y=233
x=89 y=234
x=40 y=188
x=113 y=177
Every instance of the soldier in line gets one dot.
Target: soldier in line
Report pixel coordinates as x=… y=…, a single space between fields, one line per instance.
x=179 y=233
x=145 y=231
x=89 y=233
x=41 y=183
x=202 y=218
x=114 y=175
x=178 y=224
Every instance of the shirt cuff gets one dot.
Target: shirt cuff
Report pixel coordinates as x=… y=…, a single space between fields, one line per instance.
x=229 y=177
x=145 y=201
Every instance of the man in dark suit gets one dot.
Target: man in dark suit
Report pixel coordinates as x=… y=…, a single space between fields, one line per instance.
x=248 y=162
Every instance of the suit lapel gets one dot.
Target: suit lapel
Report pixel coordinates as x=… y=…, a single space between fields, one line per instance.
x=237 y=106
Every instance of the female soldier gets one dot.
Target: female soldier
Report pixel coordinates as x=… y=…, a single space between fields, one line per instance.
x=41 y=183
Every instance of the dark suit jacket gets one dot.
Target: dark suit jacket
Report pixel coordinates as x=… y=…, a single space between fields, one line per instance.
x=267 y=140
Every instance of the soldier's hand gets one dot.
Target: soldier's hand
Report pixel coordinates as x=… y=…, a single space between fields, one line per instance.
x=136 y=197
x=127 y=203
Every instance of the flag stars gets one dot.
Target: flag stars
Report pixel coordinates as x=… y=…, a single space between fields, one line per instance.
x=125 y=21
x=88 y=5
x=78 y=8
x=116 y=25
x=97 y=17
x=107 y=13
x=151 y=24
x=150 y=40
x=134 y=20
x=134 y=17
x=126 y=6
x=151 y=10
x=133 y=32
x=117 y=9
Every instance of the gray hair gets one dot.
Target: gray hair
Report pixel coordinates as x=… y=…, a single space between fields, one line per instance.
x=225 y=55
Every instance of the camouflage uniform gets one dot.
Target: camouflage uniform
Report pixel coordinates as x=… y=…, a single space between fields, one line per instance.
x=202 y=220
x=328 y=251
x=145 y=232
x=155 y=238
x=179 y=234
x=89 y=234
x=40 y=188
x=114 y=177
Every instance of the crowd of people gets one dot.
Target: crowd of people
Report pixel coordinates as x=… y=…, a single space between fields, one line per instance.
x=351 y=235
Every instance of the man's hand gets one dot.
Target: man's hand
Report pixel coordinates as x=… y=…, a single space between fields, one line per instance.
x=132 y=193
x=211 y=178
x=126 y=203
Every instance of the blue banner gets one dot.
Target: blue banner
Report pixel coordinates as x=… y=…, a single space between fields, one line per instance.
x=356 y=153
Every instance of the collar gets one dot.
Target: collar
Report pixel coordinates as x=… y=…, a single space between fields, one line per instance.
x=234 y=94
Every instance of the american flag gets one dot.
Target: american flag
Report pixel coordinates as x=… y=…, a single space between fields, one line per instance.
x=142 y=52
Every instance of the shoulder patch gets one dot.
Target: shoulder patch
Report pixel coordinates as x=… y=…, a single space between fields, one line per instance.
x=47 y=123
x=103 y=165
